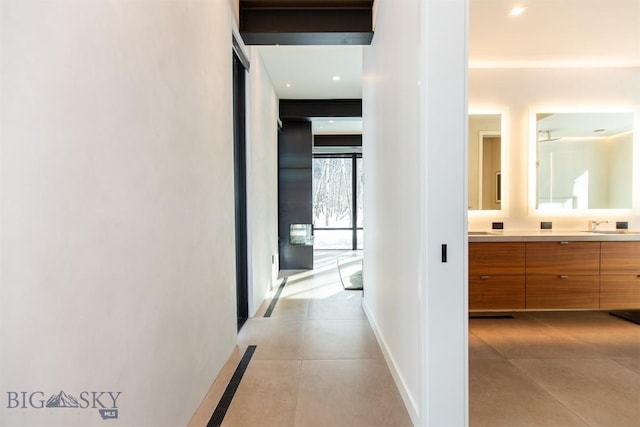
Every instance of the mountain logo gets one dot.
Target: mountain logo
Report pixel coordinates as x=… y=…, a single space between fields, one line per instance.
x=106 y=402
x=62 y=400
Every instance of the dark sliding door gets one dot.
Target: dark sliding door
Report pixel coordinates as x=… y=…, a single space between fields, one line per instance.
x=240 y=181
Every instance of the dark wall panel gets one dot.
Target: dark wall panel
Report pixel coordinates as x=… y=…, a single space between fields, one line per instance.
x=294 y=191
x=337 y=140
x=303 y=109
x=295 y=145
x=295 y=195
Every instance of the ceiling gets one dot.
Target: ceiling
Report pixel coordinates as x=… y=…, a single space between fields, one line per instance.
x=550 y=33
x=348 y=126
x=554 y=33
x=307 y=72
x=583 y=125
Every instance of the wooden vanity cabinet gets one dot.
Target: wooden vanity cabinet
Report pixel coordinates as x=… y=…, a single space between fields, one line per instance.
x=562 y=275
x=620 y=275
x=497 y=276
x=554 y=275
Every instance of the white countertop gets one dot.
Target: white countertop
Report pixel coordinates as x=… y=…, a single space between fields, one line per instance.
x=552 y=235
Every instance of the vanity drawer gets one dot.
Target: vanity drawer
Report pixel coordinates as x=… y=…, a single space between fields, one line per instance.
x=620 y=291
x=496 y=258
x=620 y=258
x=562 y=292
x=496 y=292
x=569 y=258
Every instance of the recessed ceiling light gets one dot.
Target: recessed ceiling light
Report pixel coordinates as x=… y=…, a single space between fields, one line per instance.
x=336 y=78
x=517 y=11
x=331 y=121
x=288 y=84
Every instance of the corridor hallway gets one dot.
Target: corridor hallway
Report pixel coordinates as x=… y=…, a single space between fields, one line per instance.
x=316 y=363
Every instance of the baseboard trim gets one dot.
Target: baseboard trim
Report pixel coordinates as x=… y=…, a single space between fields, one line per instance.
x=407 y=398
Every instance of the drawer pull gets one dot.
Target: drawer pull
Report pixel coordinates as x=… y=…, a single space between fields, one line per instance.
x=564 y=243
x=487 y=277
x=564 y=276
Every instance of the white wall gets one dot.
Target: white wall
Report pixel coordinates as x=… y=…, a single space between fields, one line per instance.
x=522 y=92
x=117 y=224
x=444 y=203
x=391 y=170
x=262 y=164
x=414 y=155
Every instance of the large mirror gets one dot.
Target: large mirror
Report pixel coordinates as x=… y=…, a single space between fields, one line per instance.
x=485 y=162
x=584 y=161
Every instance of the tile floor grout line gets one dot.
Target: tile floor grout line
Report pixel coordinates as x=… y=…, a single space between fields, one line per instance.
x=546 y=390
x=295 y=412
x=305 y=321
x=225 y=401
x=497 y=351
x=626 y=368
x=275 y=299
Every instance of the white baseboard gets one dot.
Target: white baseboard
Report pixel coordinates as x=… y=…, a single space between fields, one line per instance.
x=407 y=398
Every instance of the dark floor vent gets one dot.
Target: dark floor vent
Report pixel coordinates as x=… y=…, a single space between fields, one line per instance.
x=630 y=315
x=275 y=299
x=232 y=387
x=490 y=316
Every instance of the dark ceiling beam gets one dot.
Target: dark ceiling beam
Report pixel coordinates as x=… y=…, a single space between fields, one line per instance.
x=306 y=109
x=312 y=22
x=307 y=3
x=337 y=140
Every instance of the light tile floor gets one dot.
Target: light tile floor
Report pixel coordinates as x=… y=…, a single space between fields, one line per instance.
x=578 y=368
x=317 y=363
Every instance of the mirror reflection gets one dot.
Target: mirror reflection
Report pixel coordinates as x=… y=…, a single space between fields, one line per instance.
x=485 y=159
x=584 y=160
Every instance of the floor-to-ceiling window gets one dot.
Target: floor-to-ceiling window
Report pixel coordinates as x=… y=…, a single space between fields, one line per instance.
x=337 y=201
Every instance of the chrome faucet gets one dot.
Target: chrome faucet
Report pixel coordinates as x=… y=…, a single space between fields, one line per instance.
x=593 y=224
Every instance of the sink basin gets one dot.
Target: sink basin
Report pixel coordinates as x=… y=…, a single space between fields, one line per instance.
x=613 y=232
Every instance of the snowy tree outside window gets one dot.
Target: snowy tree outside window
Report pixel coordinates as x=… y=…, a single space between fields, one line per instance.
x=333 y=204
x=332 y=198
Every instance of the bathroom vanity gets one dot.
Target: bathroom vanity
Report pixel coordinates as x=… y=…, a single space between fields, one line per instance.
x=554 y=270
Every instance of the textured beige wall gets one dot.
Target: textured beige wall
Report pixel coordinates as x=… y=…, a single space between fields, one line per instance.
x=117 y=224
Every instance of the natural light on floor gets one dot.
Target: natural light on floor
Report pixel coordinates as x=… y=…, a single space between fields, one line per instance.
x=334 y=271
